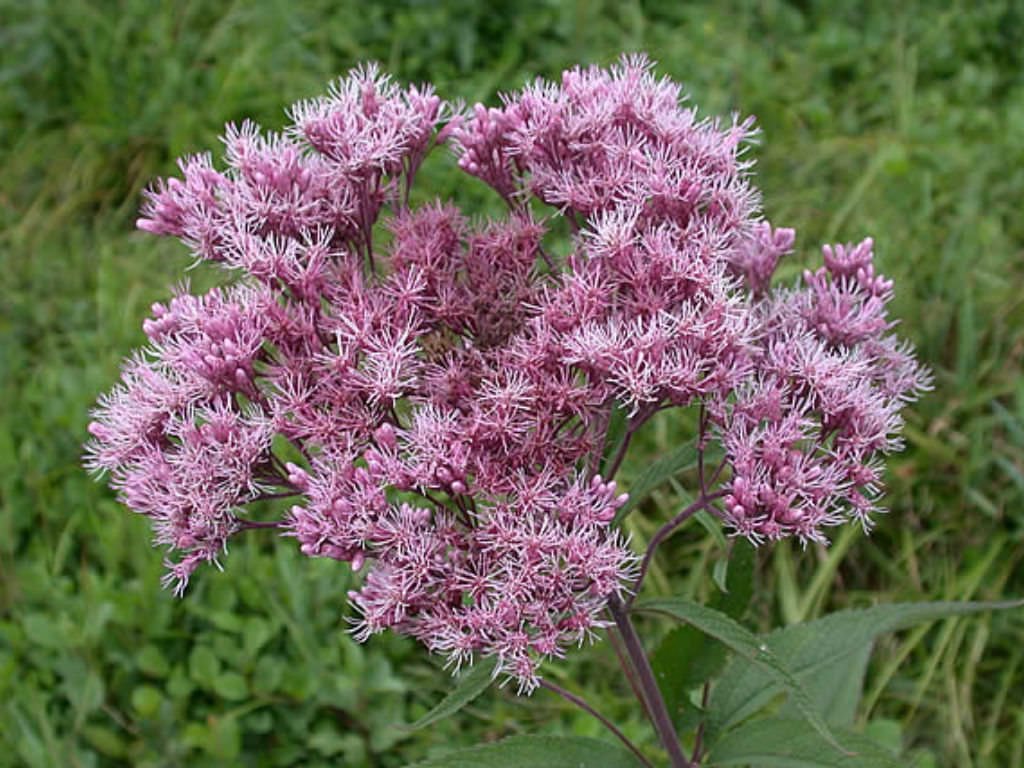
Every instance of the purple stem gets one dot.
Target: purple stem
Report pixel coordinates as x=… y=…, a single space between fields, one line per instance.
x=704 y=502
x=700 y=450
x=649 y=686
x=246 y=525
x=631 y=429
x=547 y=258
x=582 y=704
x=276 y=495
x=620 y=454
x=698 y=743
x=627 y=667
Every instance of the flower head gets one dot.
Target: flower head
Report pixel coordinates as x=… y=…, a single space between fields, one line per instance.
x=437 y=406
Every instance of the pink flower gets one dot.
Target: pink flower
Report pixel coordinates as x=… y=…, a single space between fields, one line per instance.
x=436 y=407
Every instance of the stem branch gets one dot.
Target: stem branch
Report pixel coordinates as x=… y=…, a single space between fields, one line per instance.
x=663 y=533
x=582 y=704
x=632 y=427
x=698 y=744
x=246 y=525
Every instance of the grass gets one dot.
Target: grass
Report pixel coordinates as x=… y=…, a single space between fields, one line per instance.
x=904 y=122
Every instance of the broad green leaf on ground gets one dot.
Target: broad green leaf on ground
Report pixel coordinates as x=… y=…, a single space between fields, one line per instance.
x=470 y=685
x=687 y=657
x=538 y=752
x=784 y=743
x=681 y=458
x=742 y=641
x=828 y=656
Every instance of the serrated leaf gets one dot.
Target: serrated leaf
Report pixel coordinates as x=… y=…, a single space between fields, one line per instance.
x=538 y=752
x=681 y=458
x=837 y=688
x=784 y=743
x=741 y=640
x=825 y=655
x=470 y=685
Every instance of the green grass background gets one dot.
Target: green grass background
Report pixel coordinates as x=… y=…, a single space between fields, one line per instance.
x=900 y=120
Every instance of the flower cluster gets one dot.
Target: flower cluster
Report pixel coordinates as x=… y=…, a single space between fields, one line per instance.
x=438 y=406
x=805 y=433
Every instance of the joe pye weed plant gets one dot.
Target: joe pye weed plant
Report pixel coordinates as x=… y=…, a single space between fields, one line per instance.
x=446 y=401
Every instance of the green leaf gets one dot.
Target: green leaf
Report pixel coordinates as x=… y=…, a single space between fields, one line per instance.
x=681 y=458
x=225 y=739
x=713 y=526
x=195 y=735
x=739 y=580
x=719 y=573
x=744 y=642
x=886 y=733
x=230 y=685
x=326 y=740
x=203 y=665
x=828 y=656
x=538 y=752
x=618 y=422
x=687 y=657
x=836 y=689
x=83 y=686
x=42 y=630
x=89 y=696
x=105 y=740
x=784 y=743
x=256 y=634
x=179 y=685
x=151 y=661
x=146 y=700
x=470 y=685
x=268 y=674
x=225 y=620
